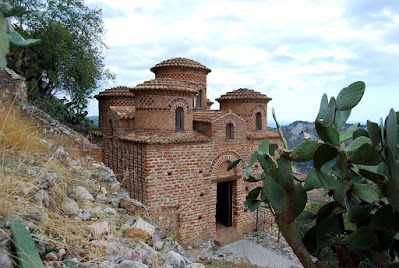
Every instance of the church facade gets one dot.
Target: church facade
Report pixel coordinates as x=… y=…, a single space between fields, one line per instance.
x=171 y=151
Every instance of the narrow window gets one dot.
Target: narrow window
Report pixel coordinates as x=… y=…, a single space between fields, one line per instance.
x=229 y=131
x=111 y=129
x=258 y=121
x=179 y=118
x=197 y=100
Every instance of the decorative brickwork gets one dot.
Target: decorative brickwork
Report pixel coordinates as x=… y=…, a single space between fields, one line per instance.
x=183 y=170
x=178 y=103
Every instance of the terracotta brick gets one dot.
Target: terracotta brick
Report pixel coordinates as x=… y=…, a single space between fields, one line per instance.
x=173 y=170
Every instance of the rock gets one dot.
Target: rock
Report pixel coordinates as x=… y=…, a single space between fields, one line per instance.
x=34 y=171
x=106 y=264
x=5 y=261
x=114 y=202
x=148 y=253
x=174 y=259
x=5 y=242
x=101 y=199
x=137 y=234
x=115 y=186
x=103 y=190
x=51 y=256
x=132 y=205
x=195 y=265
x=61 y=253
x=99 y=228
x=173 y=245
x=86 y=216
x=60 y=153
x=80 y=193
x=71 y=208
x=28 y=189
x=88 y=159
x=131 y=264
x=50 y=179
x=132 y=255
x=109 y=211
x=87 y=265
x=158 y=245
x=37 y=215
x=42 y=197
x=106 y=174
x=145 y=226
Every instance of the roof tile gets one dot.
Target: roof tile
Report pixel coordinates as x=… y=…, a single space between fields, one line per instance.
x=243 y=93
x=180 y=62
x=165 y=138
x=124 y=112
x=115 y=91
x=209 y=115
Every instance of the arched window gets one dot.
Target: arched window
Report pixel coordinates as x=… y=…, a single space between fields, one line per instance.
x=197 y=100
x=258 y=121
x=179 y=118
x=229 y=131
x=111 y=128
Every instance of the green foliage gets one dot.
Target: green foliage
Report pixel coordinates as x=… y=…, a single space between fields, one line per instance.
x=69 y=59
x=7 y=33
x=68 y=113
x=28 y=257
x=361 y=180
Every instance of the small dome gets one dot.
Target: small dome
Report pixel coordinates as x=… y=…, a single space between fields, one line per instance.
x=244 y=94
x=116 y=91
x=163 y=84
x=180 y=62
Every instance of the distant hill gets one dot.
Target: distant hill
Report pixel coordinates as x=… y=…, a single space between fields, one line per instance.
x=294 y=134
x=93 y=118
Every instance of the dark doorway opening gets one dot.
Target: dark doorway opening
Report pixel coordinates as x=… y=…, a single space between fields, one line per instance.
x=224 y=206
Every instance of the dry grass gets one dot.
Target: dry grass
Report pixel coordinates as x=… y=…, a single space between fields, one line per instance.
x=21 y=147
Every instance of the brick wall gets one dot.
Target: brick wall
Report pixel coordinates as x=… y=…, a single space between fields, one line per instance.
x=248 y=111
x=105 y=102
x=184 y=177
x=127 y=160
x=195 y=79
x=157 y=112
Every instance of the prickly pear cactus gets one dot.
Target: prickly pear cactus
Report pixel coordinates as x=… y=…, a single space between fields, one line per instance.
x=4 y=45
x=360 y=223
x=7 y=33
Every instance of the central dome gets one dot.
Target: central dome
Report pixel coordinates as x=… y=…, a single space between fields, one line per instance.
x=180 y=62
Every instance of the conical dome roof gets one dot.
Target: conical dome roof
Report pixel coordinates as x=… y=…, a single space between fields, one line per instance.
x=163 y=84
x=115 y=91
x=244 y=94
x=180 y=62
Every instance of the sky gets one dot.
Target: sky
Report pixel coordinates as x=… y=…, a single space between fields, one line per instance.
x=291 y=50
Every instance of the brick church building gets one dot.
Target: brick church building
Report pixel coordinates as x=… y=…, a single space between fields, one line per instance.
x=171 y=151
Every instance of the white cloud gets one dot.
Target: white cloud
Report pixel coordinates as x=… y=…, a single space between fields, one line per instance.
x=291 y=50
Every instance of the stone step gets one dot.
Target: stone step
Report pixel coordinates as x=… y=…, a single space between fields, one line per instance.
x=223 y=240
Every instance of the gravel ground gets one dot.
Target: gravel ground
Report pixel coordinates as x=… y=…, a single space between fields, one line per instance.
x=266 y=237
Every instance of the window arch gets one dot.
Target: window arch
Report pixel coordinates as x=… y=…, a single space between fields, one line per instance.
x=179 y=117
x=229 y=131
x=258 y=121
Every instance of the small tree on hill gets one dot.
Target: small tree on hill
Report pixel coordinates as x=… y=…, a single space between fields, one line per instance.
x=361 y=181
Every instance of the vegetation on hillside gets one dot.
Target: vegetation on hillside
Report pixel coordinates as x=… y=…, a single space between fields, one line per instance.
x=67 y=62
x=361 y=180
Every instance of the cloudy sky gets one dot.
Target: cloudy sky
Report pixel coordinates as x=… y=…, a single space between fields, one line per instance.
x=291 y=50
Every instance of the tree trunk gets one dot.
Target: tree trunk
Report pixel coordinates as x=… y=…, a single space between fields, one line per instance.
x=293 y=238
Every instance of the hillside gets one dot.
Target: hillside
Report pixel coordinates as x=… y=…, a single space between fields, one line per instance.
x=294 y=134
x=72 y=206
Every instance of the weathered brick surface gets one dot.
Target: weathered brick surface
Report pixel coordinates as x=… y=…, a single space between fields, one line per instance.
x=181 y=178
